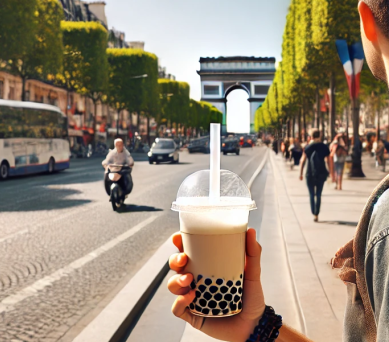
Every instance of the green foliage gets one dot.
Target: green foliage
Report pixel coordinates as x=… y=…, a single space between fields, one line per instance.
x=18 y=26
x=41 y=55
x=127 y=92
x=175 y=100
x=85 y=67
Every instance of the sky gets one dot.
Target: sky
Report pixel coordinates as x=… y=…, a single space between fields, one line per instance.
x=179 y=32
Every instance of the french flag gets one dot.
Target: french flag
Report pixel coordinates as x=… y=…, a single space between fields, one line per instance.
x=352 y=58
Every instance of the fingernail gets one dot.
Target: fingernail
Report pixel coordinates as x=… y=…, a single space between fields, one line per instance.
x=184 y=277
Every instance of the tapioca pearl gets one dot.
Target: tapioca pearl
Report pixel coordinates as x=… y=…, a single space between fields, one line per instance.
x=236 y=299
x=233 y=307
x=224 y=289
x=240 y=305
x=228 y=297
x=203 y=302
x=215 y=312
x=198 y=294
x=230 y=283
x=207 y=296
x=202 y=288
x=198 y=308
x=208 y=281
x=240 y=290
x=238 y=283
x=218 y=297
x=191 y=306
x=241 y=276
x=219 y=281
x=226 y=312
x=194 y=300
x=199 y=277
x=213 y=289
x=205 y=311
x=222 y=305
x=234 y=290
x=193 y=285
x=212 y=304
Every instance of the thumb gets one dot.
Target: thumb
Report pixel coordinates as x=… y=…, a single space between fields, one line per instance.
x=253 y=257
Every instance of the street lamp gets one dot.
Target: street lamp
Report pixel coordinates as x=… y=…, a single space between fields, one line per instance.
x=118 y=114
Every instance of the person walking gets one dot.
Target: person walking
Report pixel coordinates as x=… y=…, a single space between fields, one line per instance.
x=316 y=154
x=296 y=152
x=380 y=154
x=339 y=158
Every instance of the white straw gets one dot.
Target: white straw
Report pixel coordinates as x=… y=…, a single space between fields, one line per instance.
x=214 y=173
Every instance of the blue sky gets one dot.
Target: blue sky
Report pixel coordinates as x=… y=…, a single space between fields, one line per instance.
x=179 y=32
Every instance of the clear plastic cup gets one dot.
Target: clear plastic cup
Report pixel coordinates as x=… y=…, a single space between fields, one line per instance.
x=214 y=239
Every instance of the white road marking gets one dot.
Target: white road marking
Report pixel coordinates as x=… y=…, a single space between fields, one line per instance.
x=9 y=302
x=260 y=167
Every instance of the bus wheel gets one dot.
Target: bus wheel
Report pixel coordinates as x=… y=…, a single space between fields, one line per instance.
x=4 y=171
x=51 y=165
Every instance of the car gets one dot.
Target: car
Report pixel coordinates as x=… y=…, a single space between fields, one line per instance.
x=162 y=151
x=199 y=145
x=231 y=145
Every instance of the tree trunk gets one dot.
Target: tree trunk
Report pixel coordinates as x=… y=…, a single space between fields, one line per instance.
x=356 y=168
x=332 y=113
x=299 y=124
x=148 y=129
x=305 y=124
x=95 y=123
x=137 y=122
x=318 y=109
x=294 y=127
x=24 y=80
x=288 y=128
x=378 y=125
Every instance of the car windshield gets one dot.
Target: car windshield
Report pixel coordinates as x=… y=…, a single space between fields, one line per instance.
x=164 y=145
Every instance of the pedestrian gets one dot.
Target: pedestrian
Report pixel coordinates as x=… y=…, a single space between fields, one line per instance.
x=338 y=154
x=364 y=261
x=316 y=154
x=275 y=146
x=380 y=154
x=287 y=149
x=296 y=152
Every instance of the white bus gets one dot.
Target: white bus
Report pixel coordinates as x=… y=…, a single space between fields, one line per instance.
x=33 y=138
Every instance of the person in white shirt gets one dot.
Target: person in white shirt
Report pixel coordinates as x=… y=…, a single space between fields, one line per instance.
x=118 y=156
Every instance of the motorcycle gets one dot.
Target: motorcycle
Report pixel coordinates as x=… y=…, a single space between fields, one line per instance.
x=119 y=177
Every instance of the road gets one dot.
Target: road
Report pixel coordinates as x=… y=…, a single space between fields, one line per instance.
x=65 y=253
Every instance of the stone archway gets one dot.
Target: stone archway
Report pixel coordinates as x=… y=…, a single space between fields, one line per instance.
x=220 y=76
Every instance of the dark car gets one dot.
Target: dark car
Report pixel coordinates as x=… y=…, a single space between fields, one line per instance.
x=162 y=151
x=199 y=145
x=231 y=145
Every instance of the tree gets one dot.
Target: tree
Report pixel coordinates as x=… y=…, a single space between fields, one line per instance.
x=127 y=88
x=85 y=68
x=42 y=56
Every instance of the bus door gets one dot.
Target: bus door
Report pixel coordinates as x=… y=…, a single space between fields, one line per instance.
x=19 y=151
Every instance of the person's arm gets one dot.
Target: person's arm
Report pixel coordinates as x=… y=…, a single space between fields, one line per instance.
x=107 y=160
x=302 y=164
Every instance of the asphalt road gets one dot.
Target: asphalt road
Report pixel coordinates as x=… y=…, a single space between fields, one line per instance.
x=64 y=253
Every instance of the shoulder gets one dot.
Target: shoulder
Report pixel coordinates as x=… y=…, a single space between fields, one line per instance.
x=379 y=221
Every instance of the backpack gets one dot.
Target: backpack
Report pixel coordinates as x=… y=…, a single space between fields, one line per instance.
x=318 y=167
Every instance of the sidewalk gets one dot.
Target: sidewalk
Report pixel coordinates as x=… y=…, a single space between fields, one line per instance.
x=312 y=245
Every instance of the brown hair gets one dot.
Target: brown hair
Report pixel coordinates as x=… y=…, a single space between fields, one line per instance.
x=315 y=133
x=380 y=10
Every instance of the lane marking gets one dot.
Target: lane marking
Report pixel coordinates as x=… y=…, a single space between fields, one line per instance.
x=9 y=302
x=259 y=169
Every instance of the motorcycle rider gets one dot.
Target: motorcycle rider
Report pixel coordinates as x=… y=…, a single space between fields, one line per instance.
x=118 y=156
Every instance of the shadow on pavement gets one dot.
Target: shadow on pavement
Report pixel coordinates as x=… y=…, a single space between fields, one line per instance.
x=342 y=223
x=132 y=208
x=52 y=199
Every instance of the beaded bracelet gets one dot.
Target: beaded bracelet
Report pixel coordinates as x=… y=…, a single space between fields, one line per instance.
x=268 y=327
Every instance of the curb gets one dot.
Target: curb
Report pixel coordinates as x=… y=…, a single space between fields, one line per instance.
x=119 y=317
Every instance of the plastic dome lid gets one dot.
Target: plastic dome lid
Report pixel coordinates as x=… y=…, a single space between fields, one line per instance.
x=193 y=194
